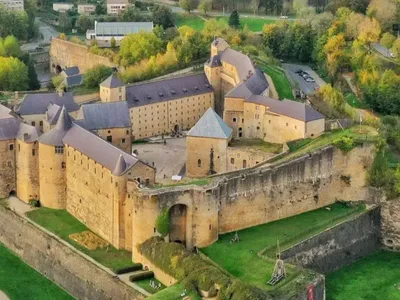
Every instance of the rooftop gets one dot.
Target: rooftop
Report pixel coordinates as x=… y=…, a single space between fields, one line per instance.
x=212 y=126
x=121 y=28
x=71 y=71
x=168 y=89
x=112 y=82
x=36 y=104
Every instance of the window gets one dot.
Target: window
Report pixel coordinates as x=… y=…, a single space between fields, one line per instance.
x=234 y=120
x=33 y=152
x=123 y=141
x=33 y=123
x=41 y=123
x=59 y=149
x=269 y=121
x=244 y=163
x=109 y=138
x=127 y=132
x=232 y=160
x=287 y=124
x=258 y=128
x=120 y=98
x=9 y=164
x=11 y=147
x=199 y=163
x=63 y=165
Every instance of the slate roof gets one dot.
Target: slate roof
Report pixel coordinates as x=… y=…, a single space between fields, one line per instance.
x=211 y=125
x=53 y=112
x=241 y=61
x=121 y=28
x=255 y=85
x=290 y=108
x=98 y=149
x=36 y=104
x=220 y=44
x=55 y=136
x=112 y=82
x=105 y=115
x=74 y=80
x=168 y=89
x=214 y=61
x=9 y=128
x=72 y=71
x=27 y=133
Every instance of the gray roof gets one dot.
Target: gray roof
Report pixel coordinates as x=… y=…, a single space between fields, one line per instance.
x=242 y=62
x=99 y=150
x=9 y=128
x=36 y=104
x=121 y=28
x=117 y=1
x=105 y=115
x=72 y=71
x=167 y=89
x=220 y=44
x=55 y=136
x=214 y=61
x=212 y=126
x=290 y=108
x=112 y=82
x=74 y=80
x=27 y=133
x=53 y=112
x=256 y=84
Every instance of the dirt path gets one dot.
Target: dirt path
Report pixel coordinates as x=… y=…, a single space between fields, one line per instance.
x=3 y=296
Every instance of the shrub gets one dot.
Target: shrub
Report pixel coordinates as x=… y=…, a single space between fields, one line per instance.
x=96 y=75
x=133 y=268
x=141 y=276
x=344 y=143
x=34 y=203
x=162 y=223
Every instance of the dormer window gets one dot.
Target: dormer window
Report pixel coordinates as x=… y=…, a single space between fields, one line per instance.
x=196 y=88
x=184 y=90
x=136 y=99
x=161 y=94
x=172 y=92
x=148 y=97
x=207 y=85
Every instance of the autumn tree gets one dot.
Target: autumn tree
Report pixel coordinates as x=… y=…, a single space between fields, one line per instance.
x=96 y=75
x=352 y=25
x=205 y=6
x=369 y=31
x=186 y=5
x=388 y=40
x=336 y=57
x=13 y=74
x=12 y=46
x=385 y=11
x=84 y=22
x=333 y=97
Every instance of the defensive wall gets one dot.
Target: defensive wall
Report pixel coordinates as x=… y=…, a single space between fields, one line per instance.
x=67 y=54
x=390 y=222
x=339 y=245
x=247 y=198
x=58 y=262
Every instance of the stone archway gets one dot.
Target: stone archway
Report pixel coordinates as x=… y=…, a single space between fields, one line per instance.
x=58 y=69
x=177 y=128
x=178 y=224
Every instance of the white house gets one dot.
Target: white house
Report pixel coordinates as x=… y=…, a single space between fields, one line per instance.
x=62 y=7
x=13 y=4
x=86 y=8
x=114 y=7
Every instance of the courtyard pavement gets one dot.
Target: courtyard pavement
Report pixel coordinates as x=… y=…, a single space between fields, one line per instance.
x=169 y=159
x=307 y=87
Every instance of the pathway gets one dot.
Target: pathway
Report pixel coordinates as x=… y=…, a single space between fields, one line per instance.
x=3 y=296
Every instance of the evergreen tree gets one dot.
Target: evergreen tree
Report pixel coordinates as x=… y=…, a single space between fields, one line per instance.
x=234 y=19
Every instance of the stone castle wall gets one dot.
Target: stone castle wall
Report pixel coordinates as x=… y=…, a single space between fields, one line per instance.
x=67 y=54
x=248 y=198
x=390 y=222
x=339 y=245
x=7 y=168
x=58 y=262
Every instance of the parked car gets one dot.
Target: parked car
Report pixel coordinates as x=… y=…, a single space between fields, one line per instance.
x=309 y=79
x=299 y=71
x=284 y=17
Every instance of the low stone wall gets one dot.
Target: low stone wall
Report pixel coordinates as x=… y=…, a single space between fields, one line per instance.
x=339 y=245
x=390 y=223
x=58 y=262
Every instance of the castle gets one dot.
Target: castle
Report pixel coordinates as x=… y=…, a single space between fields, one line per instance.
x=80 y=158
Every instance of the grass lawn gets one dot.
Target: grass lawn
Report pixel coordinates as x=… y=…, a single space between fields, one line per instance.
x=374 y=277
x=190 y=20
x=241 y=260
x=186 y=181
x=61 y=223
x=253 y=24
x=173 y=293
x=257 y=144
x=281 y=83
x=145 y=284
x=20 y=281
x=353 y=101
x=358 y=132
x=83 y=90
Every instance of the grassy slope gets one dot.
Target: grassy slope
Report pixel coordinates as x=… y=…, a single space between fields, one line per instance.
x=189 y=20
x=257 y=144
x=145 y=284
x=61 y=223
x=353 y=101
x=253 y=24
x=172 y=293
x=281 y=83
x=20 y=281
x=374 y=277
x=241 y=260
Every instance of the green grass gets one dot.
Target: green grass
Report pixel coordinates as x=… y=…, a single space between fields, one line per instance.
x=353 y=101
x=199 y=182
x=20 y=281
x=241 y=260
x=375 y=277
x=83 y=90
x=190 y=20
x=296 y=145
x=145 y=284
x=257 y=144
x=62 y=224
x=173 y=293
x=253 y=24
x=281 y=83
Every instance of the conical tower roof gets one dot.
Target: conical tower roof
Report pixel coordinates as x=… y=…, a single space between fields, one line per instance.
x=112 y=82
x=64 y=121
x=55 y=136
x=212 y=126
x=120 y=167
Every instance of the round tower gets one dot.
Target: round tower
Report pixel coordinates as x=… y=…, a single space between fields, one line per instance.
x=52 y=164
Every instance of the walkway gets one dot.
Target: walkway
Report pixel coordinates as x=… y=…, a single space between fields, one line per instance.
x=3 y=296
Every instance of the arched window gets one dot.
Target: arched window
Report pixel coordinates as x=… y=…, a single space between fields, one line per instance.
x=244 y=163
x=199 y=163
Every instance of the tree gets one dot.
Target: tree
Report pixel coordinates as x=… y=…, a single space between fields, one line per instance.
x=11 y=46
x=76 y=40
x=33 y=83
x=63 y=36
x=299 y=4
x=234 y=20
x=186 y=5
x=333 y=97
x=385 y=11
x=65 y=22
x=58 y=82
x=396 y=48
x=206 y=5
x=162 y=15
x=256 y=5
x=84 y=22
x=13 y=74
x=130 y=14
x=336 y=57
x=14 y=23
x=163 y=223
x=96 y=75
x=352 y=25
x=2 y=49
x=388 y=40
x=100 y=9
x=113 y=42
x=369 y=31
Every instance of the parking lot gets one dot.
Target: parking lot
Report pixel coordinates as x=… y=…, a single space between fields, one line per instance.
x=304 y=78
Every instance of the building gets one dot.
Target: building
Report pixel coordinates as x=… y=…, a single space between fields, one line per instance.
x=165 y=106
x=72 y=77
x=33 y=107
x=62 y=6
x=69 y=167
x=243 y=100
x=103 y=32
x=13 y=4
x=86 y=9
x=115 y=7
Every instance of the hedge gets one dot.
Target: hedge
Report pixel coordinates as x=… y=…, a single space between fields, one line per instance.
x=135 y=267
x=141 y=276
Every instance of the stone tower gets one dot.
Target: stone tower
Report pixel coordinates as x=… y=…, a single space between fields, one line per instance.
x=112 y=89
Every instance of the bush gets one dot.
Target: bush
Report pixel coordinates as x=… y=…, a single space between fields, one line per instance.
x=34 y=203
x=344 y=143
x=96 y=75
x=133 y=268
x=141 y=276
x=162 y=223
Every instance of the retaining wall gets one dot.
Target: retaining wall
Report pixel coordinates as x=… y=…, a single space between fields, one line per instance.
x=339 y=245
x=58 y=262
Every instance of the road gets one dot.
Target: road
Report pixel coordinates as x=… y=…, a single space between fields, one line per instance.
x=382 y=50
x=47 y=32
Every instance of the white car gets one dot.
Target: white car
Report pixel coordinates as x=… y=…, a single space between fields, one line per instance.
x=284 y=17
x=309 y=79
x=392 y=55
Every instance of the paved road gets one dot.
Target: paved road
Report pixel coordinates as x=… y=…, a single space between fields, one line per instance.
x=306 y=87
x=382 y=50
x=46 y=31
